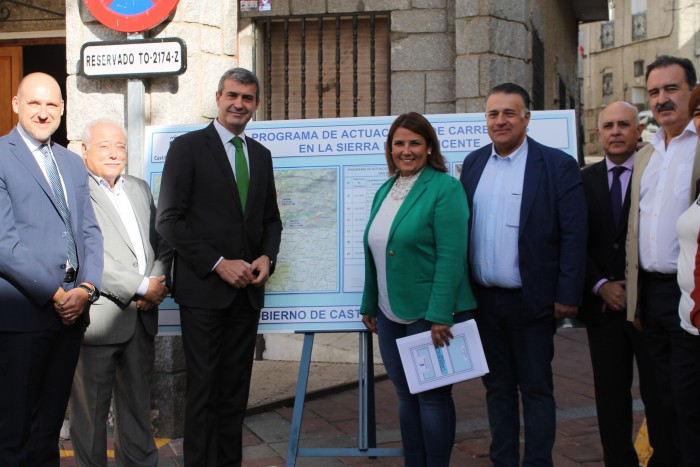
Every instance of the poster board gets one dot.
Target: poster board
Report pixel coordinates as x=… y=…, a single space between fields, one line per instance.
x=326 y=173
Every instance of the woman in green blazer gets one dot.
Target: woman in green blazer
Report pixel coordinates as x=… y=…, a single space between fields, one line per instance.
x=416 y=276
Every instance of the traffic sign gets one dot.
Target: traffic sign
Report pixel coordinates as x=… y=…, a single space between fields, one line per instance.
x=139 y=58
x=131 y=16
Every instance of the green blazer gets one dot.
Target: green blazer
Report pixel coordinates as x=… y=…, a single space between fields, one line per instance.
x=426 y=256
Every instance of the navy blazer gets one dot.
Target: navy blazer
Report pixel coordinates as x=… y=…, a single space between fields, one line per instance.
x=552 y=239
x=32 y=235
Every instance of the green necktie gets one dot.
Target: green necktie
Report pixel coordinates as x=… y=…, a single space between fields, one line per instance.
x=242 y=177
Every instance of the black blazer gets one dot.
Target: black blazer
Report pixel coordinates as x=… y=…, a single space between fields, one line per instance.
x=200 y=216
x=606 y=253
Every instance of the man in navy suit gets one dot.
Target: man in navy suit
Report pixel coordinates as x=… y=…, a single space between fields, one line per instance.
x=218 y=210
x=614 y=342
x=527 y=257
x=50 y=271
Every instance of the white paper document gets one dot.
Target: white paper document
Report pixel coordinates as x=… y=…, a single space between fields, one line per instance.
x=427 y=367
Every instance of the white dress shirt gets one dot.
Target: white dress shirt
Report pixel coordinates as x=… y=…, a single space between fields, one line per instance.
x=663 y=196
x=34 y=146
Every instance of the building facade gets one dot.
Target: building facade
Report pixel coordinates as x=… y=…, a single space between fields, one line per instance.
x=615 y=53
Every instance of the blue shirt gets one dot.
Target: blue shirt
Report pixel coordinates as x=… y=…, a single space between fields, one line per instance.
x=496 y=220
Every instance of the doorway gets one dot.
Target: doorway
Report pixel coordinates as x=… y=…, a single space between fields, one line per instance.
x=20 y=59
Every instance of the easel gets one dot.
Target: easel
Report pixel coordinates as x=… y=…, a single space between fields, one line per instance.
x=367 y=437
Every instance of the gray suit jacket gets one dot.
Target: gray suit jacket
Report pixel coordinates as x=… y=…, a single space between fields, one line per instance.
x=114 y=316
x=32 y=235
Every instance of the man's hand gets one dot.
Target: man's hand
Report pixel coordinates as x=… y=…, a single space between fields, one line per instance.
x=71 y=305
x=441 y=334
x=562 y=311
x=154 y=295
x=260 y=270
x=235 y=272
x=614 y=295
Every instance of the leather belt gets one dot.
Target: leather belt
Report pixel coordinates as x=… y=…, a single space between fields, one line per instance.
x=663 y=276
x=71 y=275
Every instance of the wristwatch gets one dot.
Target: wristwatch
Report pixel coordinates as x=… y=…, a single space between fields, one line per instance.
x=93 y=294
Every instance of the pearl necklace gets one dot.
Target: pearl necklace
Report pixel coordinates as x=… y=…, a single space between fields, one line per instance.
x=403 y=185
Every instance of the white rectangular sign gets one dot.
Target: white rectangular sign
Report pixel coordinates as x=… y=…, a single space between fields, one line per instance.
x=133 y=59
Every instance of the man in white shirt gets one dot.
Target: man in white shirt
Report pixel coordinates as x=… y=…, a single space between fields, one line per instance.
x=663 y=186
x=117 y=355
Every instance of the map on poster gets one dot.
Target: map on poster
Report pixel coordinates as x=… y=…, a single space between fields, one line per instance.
x=326 y=173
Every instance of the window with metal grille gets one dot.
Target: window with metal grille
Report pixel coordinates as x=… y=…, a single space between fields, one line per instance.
x=325 y=66
x=607 y=84
x=537 y=72
x=638 y=68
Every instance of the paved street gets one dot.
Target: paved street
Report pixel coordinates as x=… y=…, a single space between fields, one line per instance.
x=331 y=415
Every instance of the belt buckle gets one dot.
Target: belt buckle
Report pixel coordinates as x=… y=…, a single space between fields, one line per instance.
x=70 y=275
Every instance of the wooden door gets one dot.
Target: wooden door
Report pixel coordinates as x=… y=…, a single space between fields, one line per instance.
x=10 y=75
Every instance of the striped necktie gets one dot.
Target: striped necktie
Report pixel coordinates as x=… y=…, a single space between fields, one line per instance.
x=60 y=199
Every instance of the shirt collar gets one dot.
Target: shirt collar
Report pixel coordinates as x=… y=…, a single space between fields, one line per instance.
x=628 y=164
x=118 y=186
x=513 y=156
x=660 y=135
x=225 y=134
x=32 y=143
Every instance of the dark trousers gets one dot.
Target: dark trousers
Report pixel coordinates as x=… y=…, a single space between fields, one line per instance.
x=219 y=346
x=673 y=352
x=614 y=347
x=37 y=373
x=519 y=355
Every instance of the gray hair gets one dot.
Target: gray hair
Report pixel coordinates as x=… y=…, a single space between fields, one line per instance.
x=242 y=76
x=87 y=131
x=633 y=108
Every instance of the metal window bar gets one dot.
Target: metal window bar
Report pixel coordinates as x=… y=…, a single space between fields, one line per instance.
x=298 y=31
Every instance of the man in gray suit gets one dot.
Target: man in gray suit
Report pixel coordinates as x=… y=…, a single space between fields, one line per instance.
x=118 y=351
x=50 y=270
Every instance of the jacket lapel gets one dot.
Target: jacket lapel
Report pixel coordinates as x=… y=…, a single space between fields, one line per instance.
x=21 y=152
x=142 y=212
x=98 y=196
x=218 y=152
x=413 y=195
x=531 y=181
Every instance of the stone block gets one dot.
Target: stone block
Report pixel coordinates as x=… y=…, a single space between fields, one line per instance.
x=470 y=105
x=348 y=6
x=92 y=99
x=306 y=7
x=467 y=77
x=170 y=356
x=471 y=35
x=414 y=52
x=439 y=108
x=168 y=404
x=495 y=70
x=429 y=3
x=198 y=12
x=440 y=86
x=279 y=8
x=491 y=35
x=211 y=40
x=407 y=92
x=466 y=8
x=416 y=21
x=168 y=391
